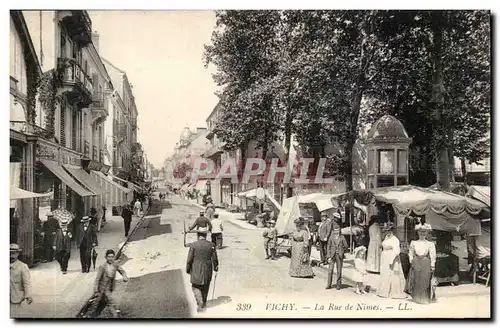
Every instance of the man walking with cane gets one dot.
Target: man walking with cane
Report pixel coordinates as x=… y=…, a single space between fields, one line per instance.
x=202 y=260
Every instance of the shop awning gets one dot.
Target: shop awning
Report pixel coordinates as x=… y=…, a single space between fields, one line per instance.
x=104 y=176
x=481 y=193
x=116 y=195
x=85 y=179
x=201 y=184
x=18 y=193
x=66 y=178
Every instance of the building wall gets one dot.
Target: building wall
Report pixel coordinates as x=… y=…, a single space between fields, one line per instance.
x=44 y=31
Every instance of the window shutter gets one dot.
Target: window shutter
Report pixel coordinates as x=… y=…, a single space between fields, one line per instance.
x=62 y=122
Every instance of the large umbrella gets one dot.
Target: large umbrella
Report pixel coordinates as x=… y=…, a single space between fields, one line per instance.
x=62 y=214
x=18 y=193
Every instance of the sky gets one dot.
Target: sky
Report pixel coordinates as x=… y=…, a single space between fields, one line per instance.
x=162 y=54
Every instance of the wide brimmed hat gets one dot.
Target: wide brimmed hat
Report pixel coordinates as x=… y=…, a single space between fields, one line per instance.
x=299 y=221
x=272 y=222
x=388 y=226
x=267 y=209
x=85 y=219
x=423 y=227
x=359 y=249
x=63 y=221
x=14 y=248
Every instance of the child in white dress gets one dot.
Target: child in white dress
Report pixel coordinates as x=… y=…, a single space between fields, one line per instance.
x=360 y=273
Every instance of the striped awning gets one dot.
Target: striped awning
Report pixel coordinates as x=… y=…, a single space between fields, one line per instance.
x=62 y=175
x=114 y=196
x=85 y=179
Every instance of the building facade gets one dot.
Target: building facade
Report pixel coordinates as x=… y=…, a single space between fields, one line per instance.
x=24 y=72
x=66 y=127
x=121 y=129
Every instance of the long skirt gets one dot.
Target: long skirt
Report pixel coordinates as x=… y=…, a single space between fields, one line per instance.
x=373 y=257
x=392 y=282
x=298 y=268
x=419 y=280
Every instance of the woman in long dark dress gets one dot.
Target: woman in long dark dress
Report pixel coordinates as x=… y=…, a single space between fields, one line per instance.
x=423 y=260
x=299 y=264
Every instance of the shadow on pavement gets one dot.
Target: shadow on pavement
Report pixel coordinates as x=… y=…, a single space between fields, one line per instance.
x=218 y=301
x=150 y=227
x=155 y=295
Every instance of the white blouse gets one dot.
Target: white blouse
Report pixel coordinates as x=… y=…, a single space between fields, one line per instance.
x=423 y=248
x=391 y=245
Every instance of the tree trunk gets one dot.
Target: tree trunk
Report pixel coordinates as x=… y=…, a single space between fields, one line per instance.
x=442 y=157
x=288 y=143
x=451 y=158
x=351 y=140
x=464 y=170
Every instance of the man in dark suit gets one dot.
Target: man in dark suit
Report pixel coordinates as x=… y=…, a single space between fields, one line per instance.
x=62 y=245
x=202 y=260
x=336 y=248
x=86 y=240
x=94 y=220
x=202 y=222
x=127 y=218
x=324 y=231
x=49 y=229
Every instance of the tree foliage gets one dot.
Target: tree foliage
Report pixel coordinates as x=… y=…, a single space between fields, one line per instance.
x=320 y=75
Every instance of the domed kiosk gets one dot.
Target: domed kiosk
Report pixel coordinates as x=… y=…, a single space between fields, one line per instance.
x=387 y=145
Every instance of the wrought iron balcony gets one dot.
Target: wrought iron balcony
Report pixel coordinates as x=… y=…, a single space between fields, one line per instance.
x=76 y=83
x=119 y=132
x=99 y=106
x=78 y=25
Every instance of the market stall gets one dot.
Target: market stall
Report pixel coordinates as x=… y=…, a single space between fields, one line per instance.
x=480 y=193
x=252 y=199
x=307 y=206
x=451 y=217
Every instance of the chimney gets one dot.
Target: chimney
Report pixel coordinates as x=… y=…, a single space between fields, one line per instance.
x=95 y=40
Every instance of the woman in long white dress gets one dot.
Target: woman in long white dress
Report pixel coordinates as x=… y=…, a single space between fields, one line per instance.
x=392 y=280
x=374 y=247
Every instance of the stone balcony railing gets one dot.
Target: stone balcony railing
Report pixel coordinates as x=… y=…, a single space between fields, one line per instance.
x=27 y=128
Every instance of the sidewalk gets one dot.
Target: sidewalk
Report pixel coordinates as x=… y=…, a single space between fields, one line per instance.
x=62 y=296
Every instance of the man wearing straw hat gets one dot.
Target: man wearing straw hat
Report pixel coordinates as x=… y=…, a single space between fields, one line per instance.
x=202 y=260
x=62 y=245
x=20 y=282
x=86 y=240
